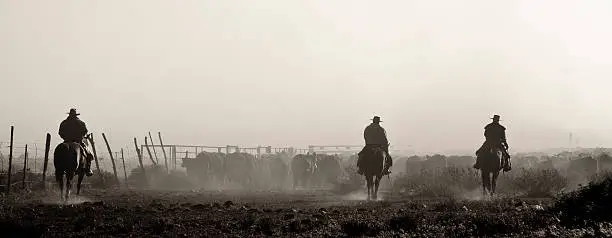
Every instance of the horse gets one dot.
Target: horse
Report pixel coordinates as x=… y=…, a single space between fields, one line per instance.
x=490 y=165
x=373 y=165
x=69 y=159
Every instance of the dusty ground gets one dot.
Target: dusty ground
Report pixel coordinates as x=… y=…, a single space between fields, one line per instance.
x=141 y=213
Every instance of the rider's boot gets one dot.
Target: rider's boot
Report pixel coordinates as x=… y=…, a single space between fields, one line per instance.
x=386 y=171
x=88 y=172
x=388 y=164
x=507 y=166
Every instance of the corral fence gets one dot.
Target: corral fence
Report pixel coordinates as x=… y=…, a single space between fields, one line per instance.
x=176 y=152
x=27 y=163
x=335 y=149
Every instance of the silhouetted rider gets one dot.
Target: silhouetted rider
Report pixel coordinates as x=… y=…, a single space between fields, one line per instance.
x=375 y=136
x=72 y=129
x=495 y=137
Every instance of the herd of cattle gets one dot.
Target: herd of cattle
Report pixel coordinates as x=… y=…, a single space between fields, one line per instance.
x=281 y=170
x=274 y=171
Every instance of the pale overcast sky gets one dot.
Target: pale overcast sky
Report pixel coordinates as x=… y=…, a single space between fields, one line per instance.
x=293 y=73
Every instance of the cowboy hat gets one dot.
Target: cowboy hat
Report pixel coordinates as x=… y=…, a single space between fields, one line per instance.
x=376 y=119
x=73 y=112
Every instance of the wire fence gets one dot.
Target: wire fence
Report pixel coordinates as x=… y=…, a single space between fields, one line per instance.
x=124 y=163
x=36 y=154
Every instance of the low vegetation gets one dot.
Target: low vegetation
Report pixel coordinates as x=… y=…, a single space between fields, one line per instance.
x=462 y=182
x=588 y=206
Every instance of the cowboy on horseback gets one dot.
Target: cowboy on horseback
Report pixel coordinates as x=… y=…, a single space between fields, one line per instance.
x=495 y=137
x=375 y=136
x=72 y=129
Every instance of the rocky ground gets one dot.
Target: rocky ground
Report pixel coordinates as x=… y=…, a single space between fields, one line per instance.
x=142 y=213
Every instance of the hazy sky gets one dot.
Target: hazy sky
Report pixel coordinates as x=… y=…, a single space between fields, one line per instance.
x=284 y=72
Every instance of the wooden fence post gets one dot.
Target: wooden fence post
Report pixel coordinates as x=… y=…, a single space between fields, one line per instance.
x=1 y=159
x=174 y=155
x=25 y=166
x=149 y=150
x=138 y=152
x=110 y=152
x=144 y=175
x=95 y=155
x=153 y=145
x=35 y=157
x=47 y=148
x=8 y=185
x=124 y=172
x=164 y=151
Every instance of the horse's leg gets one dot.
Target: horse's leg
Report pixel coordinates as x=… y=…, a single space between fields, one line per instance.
x=369 y=185
x=59 y=177
x=485 y=182
x=69 y=177
x=376 y=185
x=494 y=181
x=81 y=175
x=482 y=178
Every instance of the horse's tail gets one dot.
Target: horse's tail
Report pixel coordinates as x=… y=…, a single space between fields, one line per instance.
x=374 y=161
x=492 y=160
x=65 y=156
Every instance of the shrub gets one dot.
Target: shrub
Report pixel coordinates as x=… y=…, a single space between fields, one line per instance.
x=102 y=180
x=536 y=182
x=588 y=205
x=454 y=182
x=448 y=182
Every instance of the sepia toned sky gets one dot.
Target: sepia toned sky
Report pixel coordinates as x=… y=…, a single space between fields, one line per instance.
x=294 y=73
